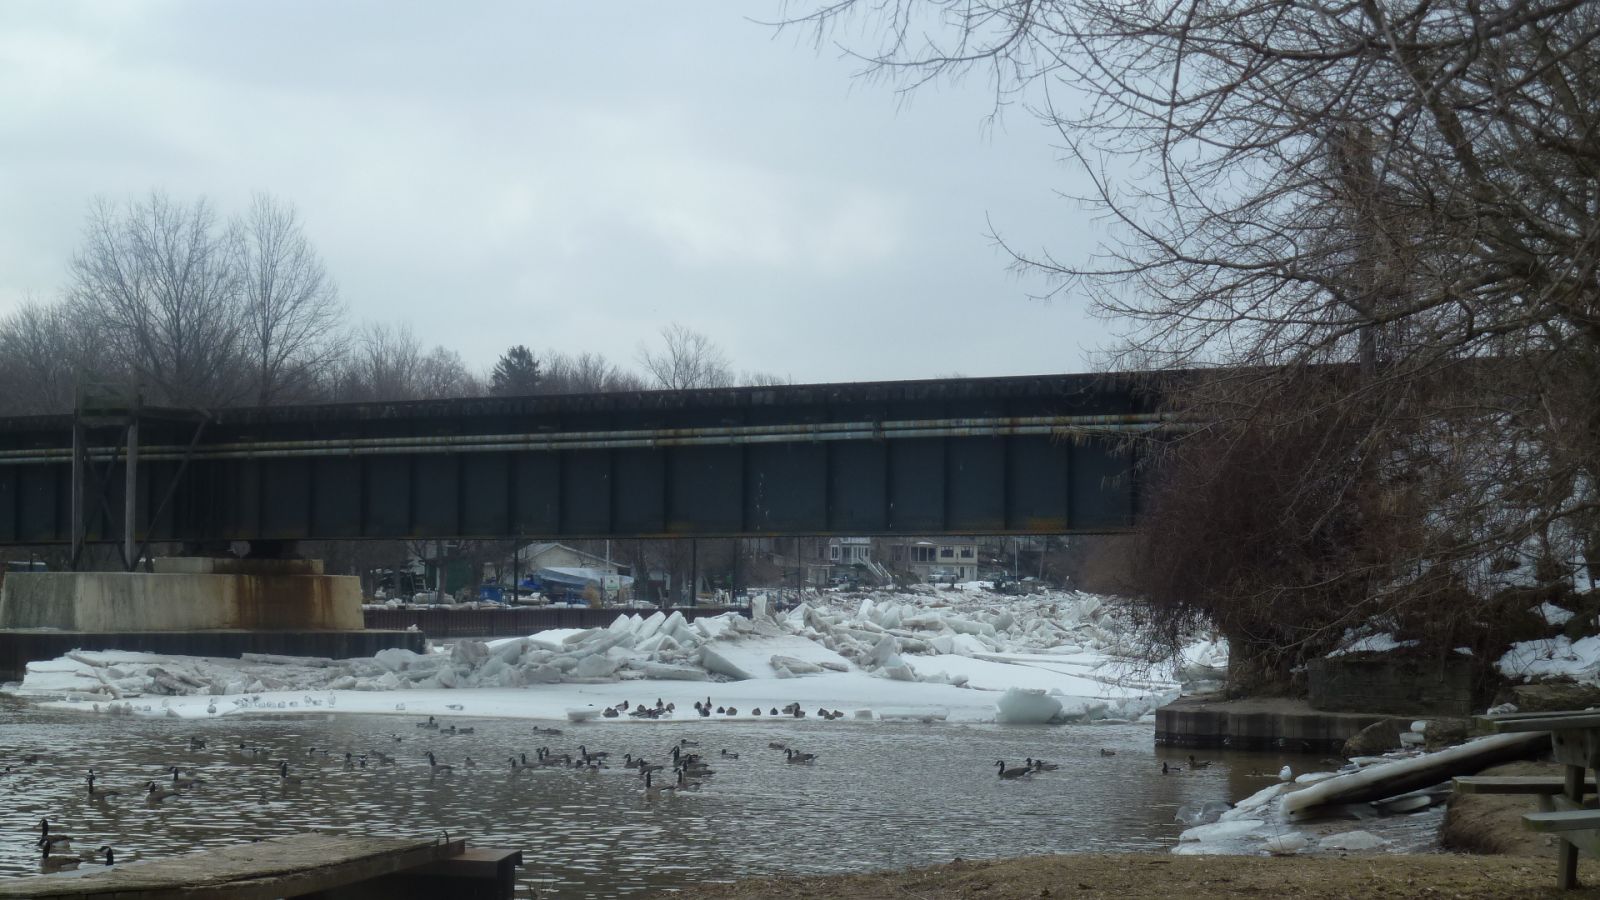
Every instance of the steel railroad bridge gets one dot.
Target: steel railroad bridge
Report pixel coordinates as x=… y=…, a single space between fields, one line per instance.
x=1022 y=455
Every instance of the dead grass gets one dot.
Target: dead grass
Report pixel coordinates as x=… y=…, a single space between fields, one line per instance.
x=1492 y=824
x=1187 y=877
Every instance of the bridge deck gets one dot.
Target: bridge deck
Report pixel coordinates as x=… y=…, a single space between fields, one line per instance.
x=1039 y=454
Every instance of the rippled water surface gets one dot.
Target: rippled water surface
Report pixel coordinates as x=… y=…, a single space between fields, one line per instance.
x=880 y=796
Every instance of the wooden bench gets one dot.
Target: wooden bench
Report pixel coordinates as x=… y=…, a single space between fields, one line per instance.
x=1575 y=743
x=1515 y=784
x=1563 y=820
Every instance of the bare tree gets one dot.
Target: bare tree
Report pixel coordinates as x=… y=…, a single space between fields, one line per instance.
x=381 y=364
x=585 y=373
x=687 y=359
x=442 y=374
x=40 y=354
x=1406 y=189
x=291 y=308
x=155 y=283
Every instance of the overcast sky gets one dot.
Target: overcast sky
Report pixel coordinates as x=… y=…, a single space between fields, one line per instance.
x=562 y=175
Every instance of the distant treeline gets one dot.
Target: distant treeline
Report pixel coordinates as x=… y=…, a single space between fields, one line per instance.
x=199 y=310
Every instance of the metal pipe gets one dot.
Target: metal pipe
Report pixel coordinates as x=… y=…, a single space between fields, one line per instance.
x=802 y=429
x=635 y=439
x=223 y=451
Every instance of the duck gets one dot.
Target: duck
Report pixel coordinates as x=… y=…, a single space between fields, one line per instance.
x=437 y=768
x=773 y=712
x=756 y=711
x=1039 y=765
x=1198 y=763
x=609 y=713
x=285 y=778
x=179 y=781
x=799 y=758
x=823 y=713
x=56 y=863
x=1105 y=752
x=1013 y=772
x=721 y=710
x=685 y=742
x=155 y=794
x=732 y=711
x=728 y=755
x=1168 y=770
x=100 y=793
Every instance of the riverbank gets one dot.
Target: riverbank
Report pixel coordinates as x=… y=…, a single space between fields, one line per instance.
x=1092 y=876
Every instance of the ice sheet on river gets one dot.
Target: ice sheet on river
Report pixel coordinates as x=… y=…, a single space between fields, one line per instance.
x=924 y=653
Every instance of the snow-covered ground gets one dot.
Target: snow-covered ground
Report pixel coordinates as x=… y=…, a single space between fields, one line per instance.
x=959 y=655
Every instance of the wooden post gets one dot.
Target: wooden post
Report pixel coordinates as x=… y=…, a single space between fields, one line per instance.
x=1567 y=862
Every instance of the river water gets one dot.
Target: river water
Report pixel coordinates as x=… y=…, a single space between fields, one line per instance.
x=881 y=795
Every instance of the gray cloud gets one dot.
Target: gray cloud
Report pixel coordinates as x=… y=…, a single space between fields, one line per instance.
x=570 y=176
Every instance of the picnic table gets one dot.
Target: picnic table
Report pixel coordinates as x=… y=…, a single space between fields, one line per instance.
x=1575 y=743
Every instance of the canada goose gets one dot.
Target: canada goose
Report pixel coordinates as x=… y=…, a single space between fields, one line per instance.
x=727 y=755
x=1013 y=772
x=609 y=713
x=773 y=712
x=428 y=724
x=197 y=743
x=437 y=768
x=721 y=710
x=583 y=751
x=1039 y=765
x=285 y=778
x=469 y=763
x=100 y=793
x=517 y=768
x=687 y=782
x=178 y=781
x=799 y=758
x=1198 y=763
x=756 y=711
x=56 y=863
x=156 y=794
x=1168 y=770
x=823 y=713
x=1105 y=752
x=653 y=790
x=382 y=757
x=732 y=711
x=685 y=742
x=46 y=836
x=94 y=856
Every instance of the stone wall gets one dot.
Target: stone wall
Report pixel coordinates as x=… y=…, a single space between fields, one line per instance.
x=1393 y=684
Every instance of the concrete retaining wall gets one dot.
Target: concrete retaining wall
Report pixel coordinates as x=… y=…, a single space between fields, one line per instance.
x=140 y=601
x=1260 y=724
x=1389 y=683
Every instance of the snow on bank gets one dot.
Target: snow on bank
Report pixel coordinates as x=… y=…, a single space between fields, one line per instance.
x=958 y=655
x=1549 y=657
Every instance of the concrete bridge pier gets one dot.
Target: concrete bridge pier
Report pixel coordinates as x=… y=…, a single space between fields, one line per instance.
x=199 y=606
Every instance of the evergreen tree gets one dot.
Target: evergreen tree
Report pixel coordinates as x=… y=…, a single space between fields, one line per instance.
x=516 y=372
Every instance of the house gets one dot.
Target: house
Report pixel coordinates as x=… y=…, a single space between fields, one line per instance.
x=549 y=554
x=937 y=559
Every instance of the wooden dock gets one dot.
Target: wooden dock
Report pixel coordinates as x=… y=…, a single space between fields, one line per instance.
x=326 y=866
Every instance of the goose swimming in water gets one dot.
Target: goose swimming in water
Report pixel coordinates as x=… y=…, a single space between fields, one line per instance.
x=1198 y=763
x=800 y=759
x=1168 y=770
x=285 y=778
x=727 y=755
x=156 y=794
x=95 y=856
x=56 y=863
x=178 y=781
x=100 y=793
x=1013 y=772
x=1105 y=752
x=1039 y=765
x=437 y=768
